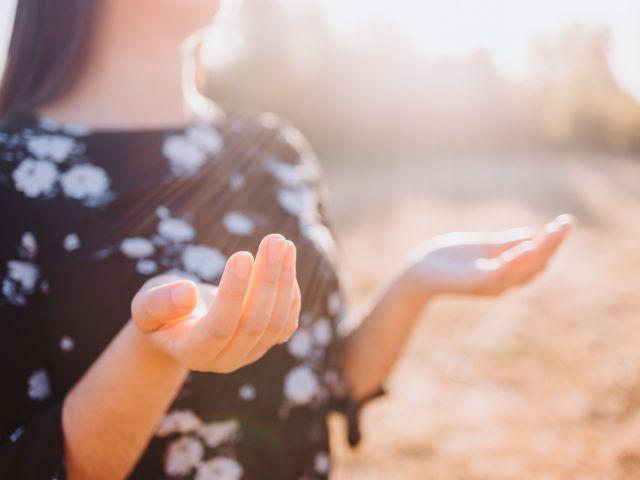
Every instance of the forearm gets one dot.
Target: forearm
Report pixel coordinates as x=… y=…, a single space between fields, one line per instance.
x=385 y=323
x=110 y=414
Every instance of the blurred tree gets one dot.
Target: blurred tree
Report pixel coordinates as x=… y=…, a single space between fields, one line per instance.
x=380 y=97
x=577 y=100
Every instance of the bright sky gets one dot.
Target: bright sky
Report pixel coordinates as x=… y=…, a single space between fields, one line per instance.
x=505 y=27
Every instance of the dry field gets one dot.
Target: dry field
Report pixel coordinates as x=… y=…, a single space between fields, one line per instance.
x=542 y=383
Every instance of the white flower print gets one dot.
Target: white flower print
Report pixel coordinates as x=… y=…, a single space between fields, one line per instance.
x=334 y=303
x=53 y=147
x=322 y=463
x=302 y=202
x=203 y=261
x=146 y=266
x=217 y=433
x=219 y=468
x=39 y=385
x=247 y=392
x=74 y=129
x=178 y=421
x=85 y=181
x=71 y=242
x=176 y=230
x=35 y=177
x=29 y=244
x=301 y=384
x=67 y=343
x=322 y=333
x=185 y=158
x=49 y=123
x=320 y=235
x=183 y=455
x=20 y=281
x=206 y=137
x=137 y=247
x=163 y=212
x=290 y=175
x=294 y=137
x=238 y=223
x=236 y=181
x=17 y=433
x=300 y=344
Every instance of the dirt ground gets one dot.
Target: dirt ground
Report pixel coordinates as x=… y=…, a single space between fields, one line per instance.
x=542 y=383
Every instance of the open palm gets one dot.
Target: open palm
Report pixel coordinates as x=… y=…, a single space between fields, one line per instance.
x=487 y=263
x=220 y=329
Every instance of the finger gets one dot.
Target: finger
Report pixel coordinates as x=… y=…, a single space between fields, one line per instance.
x=282 y=305
x=152 y=308
x=552 y=237
x=223 y=316
x=563 y=224
x=293 y=318
x=555 y=233
x=507 y=239
x=502 y=272
x=260 y=299
x=565 y=220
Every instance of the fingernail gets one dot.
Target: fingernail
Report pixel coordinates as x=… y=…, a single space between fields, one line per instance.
x=564 y=219
x=243 y=265
x=527 y=246
x=183 y=296
x=487 y=264
x=275 y=249
x=290 y=255
x=552 y=227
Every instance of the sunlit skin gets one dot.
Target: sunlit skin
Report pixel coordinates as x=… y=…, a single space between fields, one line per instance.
x=488 y=263
x=177 y=326
x=465 y=263
x=255 y=307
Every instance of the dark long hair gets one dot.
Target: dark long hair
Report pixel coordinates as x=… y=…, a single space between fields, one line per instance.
x=49 y=45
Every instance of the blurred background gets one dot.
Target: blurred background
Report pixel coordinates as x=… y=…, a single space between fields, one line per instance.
x=433 y=116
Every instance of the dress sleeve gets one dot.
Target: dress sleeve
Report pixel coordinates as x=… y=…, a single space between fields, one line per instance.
x=299 y=152
x=31 y=439
x=341 y=399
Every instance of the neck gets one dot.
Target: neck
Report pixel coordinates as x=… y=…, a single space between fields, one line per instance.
x=132 y=79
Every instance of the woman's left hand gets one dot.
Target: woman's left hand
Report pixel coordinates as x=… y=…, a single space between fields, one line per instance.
x=483 y=263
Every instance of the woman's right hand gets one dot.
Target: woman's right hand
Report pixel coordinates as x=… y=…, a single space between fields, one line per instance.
x=221 y=329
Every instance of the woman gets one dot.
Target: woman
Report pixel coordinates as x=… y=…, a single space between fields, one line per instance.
x=113 y=183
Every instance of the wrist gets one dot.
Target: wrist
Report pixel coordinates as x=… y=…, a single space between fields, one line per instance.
x=416 y=288
x=150 y=352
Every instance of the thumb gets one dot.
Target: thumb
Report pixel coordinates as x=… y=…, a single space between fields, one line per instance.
x=151 y=308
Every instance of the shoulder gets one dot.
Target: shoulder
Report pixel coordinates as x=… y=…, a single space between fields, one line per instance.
x=283 y=149
x=13 y=133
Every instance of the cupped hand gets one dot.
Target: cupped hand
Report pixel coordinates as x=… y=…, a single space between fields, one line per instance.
x=486 y=263
x=221 y=329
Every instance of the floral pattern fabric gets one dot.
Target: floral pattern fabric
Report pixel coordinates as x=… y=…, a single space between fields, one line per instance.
x=82 y=209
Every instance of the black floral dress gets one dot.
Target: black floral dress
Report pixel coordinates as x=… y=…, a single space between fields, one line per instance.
x=86 y=217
